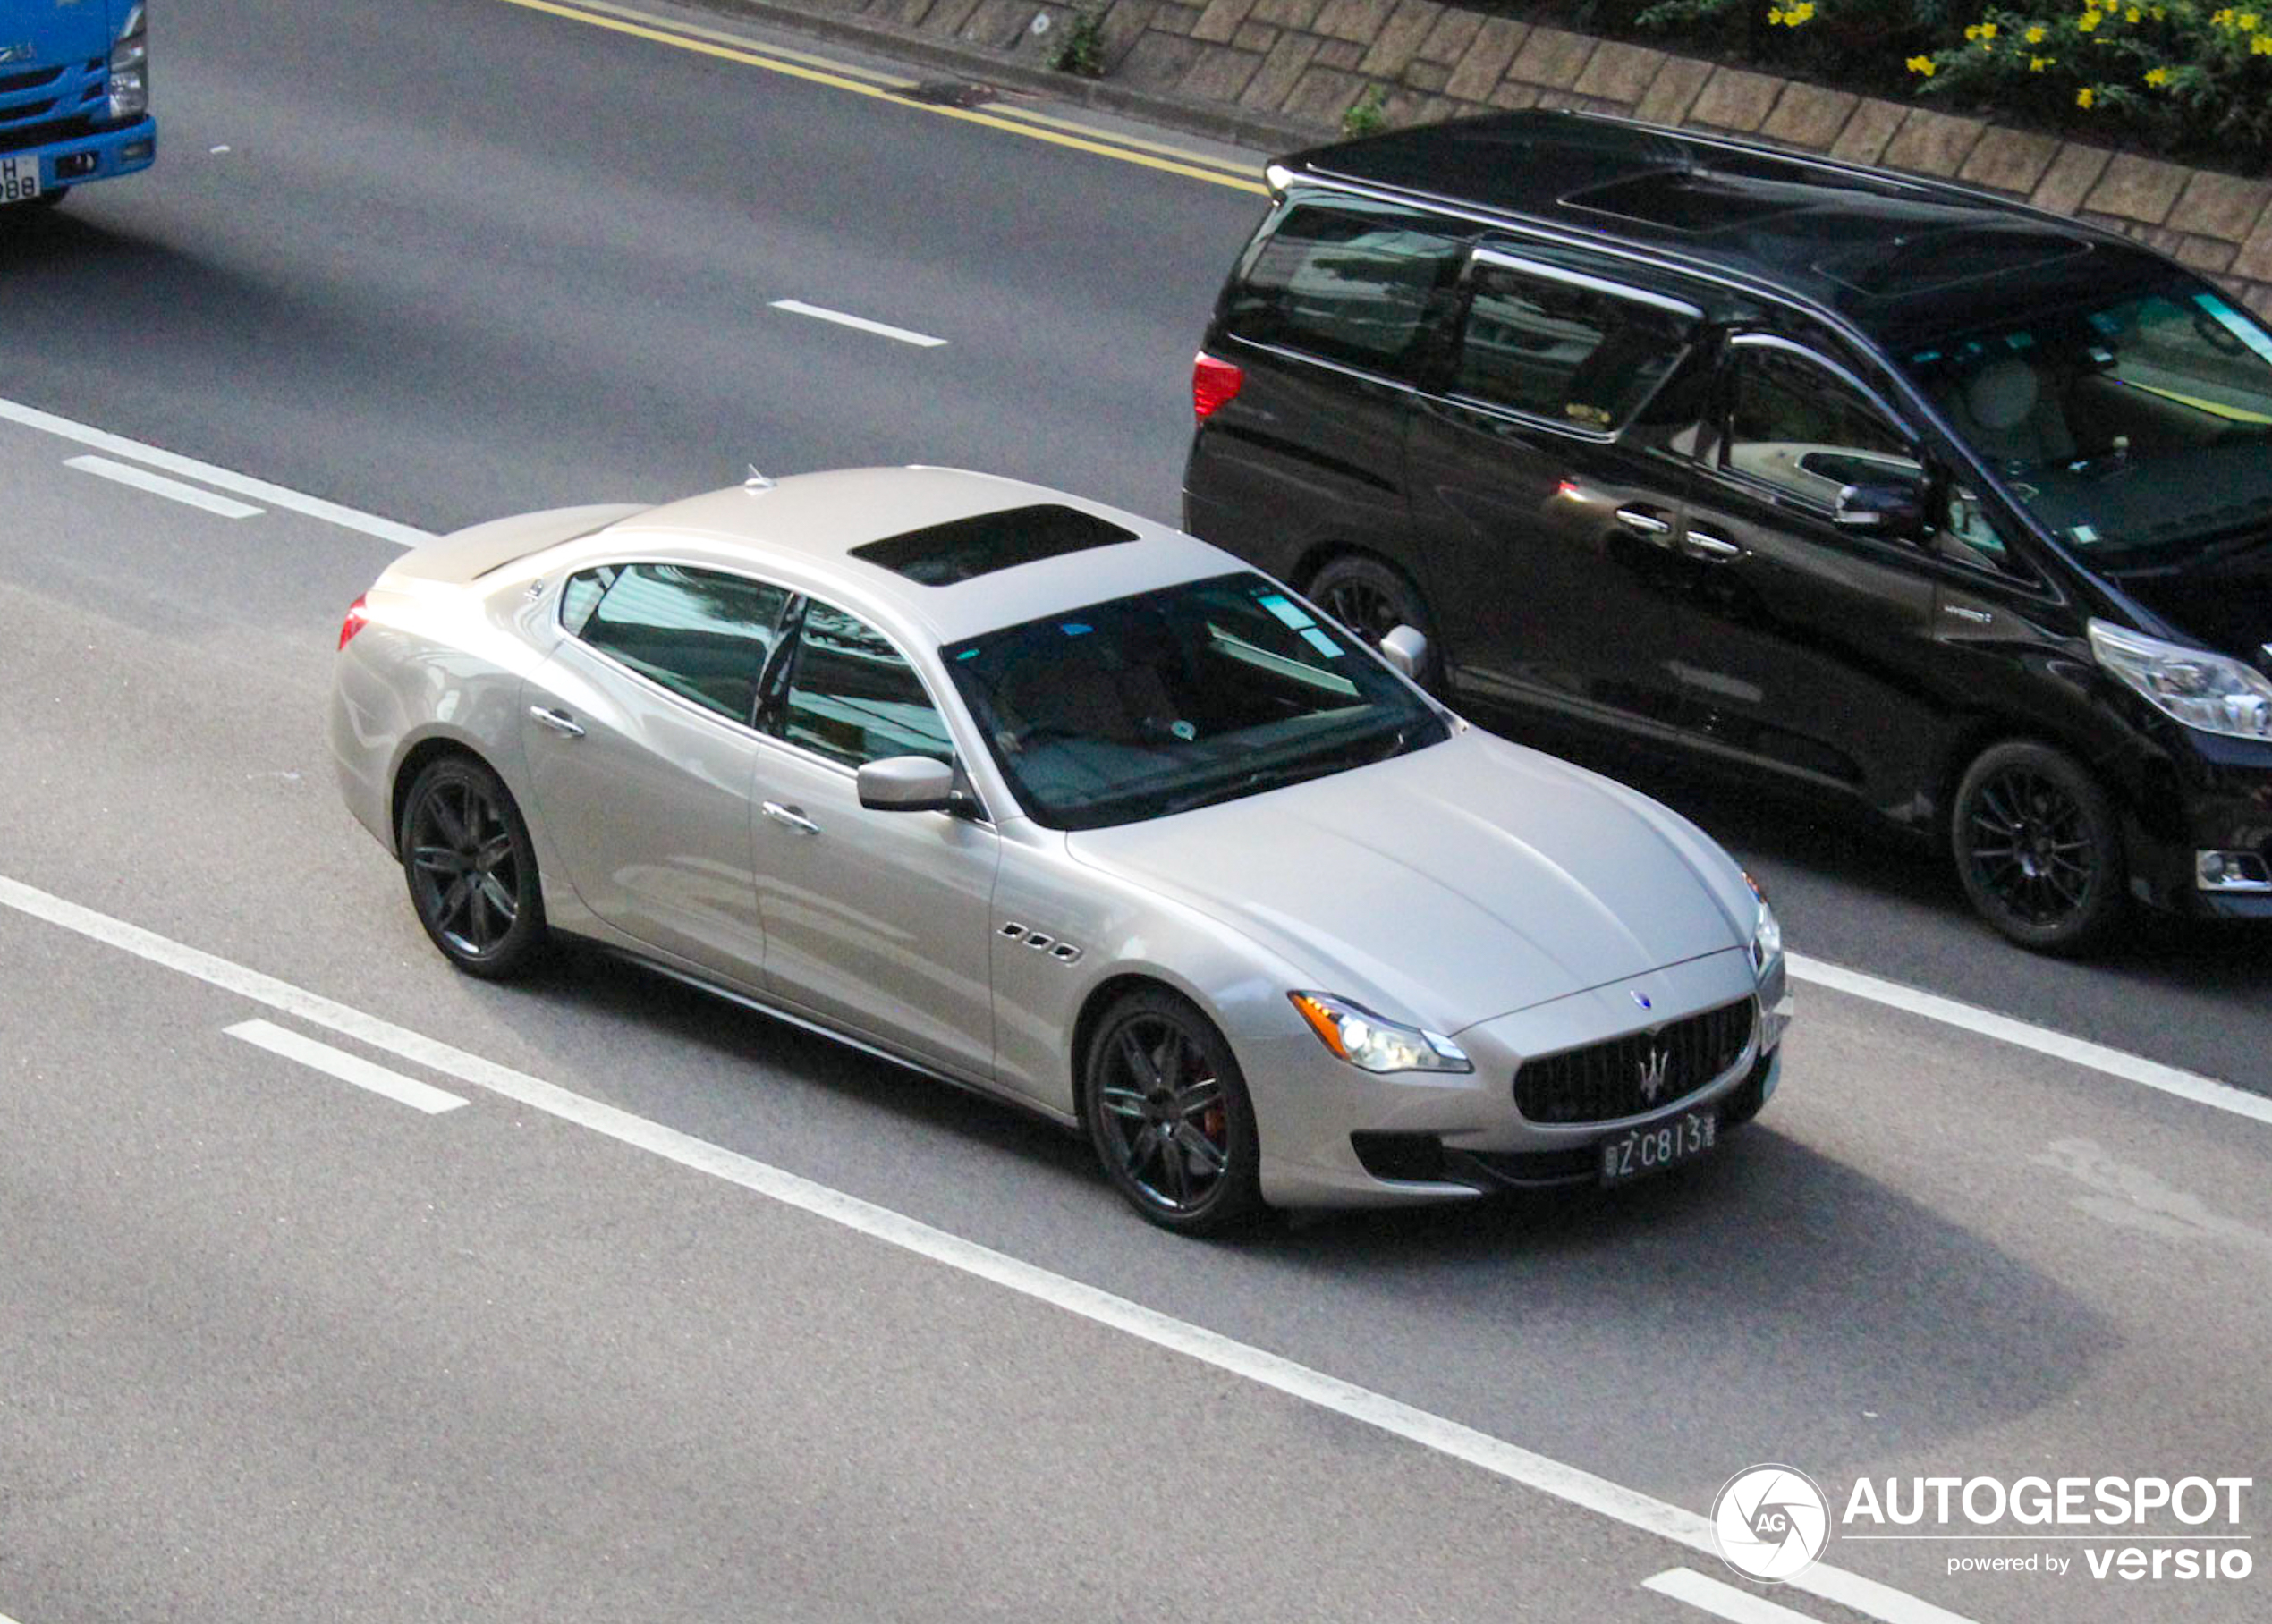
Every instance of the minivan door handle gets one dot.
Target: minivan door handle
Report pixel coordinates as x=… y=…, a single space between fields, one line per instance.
x=1641 y=522
x=789 y=817
x=1710 y=548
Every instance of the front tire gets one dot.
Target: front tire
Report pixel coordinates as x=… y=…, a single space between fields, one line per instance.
x=1169 y=1115
x=2038 y=847
x=472 y=869
x=1372 y=597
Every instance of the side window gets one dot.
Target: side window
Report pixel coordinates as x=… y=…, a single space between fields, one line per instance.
x=1557 y=350
x=702 y=634
x=1796 y=427
x=852 y=698
x=1354 y=282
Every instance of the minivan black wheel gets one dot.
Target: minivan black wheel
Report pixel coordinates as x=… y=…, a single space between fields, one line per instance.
x=1372 y=598
x=472 y=869
x=1168 y=1113
x=2038 y=847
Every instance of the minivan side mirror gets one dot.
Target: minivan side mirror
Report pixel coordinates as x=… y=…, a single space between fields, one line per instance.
x=1882 y=510
x=906 y=783
x=1406 y=649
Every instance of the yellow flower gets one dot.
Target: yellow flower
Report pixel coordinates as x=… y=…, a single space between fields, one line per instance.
x=1774 y=15
x=2084 y=98
x=2247 y=20
x=2221 y=19
x=2261 y=46
x=2157 y=76
x=1923 y=66
x=2090 y=21
x=2131 y=15
x=1801 y=13
x=2035 y=34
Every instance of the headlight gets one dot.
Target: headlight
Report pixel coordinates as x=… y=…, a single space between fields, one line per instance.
x=129 y=80
x=1767 y=931
x=2209 y=691
x=1362 y=1039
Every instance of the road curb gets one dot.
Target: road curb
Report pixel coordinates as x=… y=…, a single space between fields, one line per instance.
x=977 y=63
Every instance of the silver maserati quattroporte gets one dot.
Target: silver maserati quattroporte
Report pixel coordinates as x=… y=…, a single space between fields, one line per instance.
x=1064 y=806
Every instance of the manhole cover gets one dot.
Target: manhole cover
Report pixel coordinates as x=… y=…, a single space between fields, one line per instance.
x=948 y=93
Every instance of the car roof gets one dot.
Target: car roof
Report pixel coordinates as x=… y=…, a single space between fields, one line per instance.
x=1900 y=258
x=803 y=531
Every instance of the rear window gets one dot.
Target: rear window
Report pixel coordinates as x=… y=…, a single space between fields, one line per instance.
x=1553 y=350
x=1354 y=282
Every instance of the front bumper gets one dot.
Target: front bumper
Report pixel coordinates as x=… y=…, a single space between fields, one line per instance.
x=1335 y=1135
x=103 y=156
x=2199 y=792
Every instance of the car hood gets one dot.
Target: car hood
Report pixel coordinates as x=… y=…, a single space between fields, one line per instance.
x=1459 y=882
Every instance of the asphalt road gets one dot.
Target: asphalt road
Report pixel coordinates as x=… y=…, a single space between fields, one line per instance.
x=276 y=1349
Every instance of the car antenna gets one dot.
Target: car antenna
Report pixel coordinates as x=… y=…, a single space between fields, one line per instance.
x=757 y=481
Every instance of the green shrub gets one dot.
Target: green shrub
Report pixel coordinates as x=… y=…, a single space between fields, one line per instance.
x=1368 y=115
x=2181 y=77
x=1081 y=51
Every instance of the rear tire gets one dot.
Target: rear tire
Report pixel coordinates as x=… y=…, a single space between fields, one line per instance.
x=1168 y=1113
x=2038 y=847
x=1371 y=598
x=472 y=869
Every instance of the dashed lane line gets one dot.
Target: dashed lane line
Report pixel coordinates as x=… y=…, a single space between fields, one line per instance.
x=1722 y=1600
x=159 y=485
x=905 y=335
x=1510 y=1461
x=347 y=1068
x=205 y=473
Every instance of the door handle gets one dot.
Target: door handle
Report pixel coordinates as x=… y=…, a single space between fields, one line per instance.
x=559 y=721
x=789 y=817
x=1710 y=548
x=1643 y=522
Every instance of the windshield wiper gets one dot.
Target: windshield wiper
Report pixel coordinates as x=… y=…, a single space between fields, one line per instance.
x=1353 y=754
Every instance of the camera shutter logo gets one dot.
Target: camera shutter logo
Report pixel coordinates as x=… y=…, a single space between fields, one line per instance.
x=1770 y=1522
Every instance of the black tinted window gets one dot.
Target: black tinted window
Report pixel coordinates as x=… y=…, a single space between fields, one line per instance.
x=1557 y=350
x=853 y=697
x=1352 y=282
x=1804 y=431
x=702 y=634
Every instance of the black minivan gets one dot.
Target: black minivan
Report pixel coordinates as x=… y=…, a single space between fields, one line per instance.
x=1953 y=509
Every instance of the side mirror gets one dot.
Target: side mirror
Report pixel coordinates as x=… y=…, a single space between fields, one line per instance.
x=1884 y=510
x=906 y=783
x=1406 y=650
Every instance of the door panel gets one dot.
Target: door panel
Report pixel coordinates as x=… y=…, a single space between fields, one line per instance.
x=880 y=921
x=648 y=808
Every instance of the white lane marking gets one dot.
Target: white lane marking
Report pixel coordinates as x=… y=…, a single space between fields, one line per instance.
x=347 y=1068
x=1722 y=1600
x=797 y=306
x=1511 y=1461
x=142 y=479
x=222 y=478
x=2025 y=1035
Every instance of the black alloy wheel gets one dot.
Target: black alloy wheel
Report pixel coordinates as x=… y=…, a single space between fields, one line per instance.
x=2038 y=847
x=1372 y=598
x=471 y=868
x=1169 y=1116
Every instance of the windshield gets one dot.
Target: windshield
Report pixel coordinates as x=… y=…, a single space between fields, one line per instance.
x=2140 y=425
x=1178 y=699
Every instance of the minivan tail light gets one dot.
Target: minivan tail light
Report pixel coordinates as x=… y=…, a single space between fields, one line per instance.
x=357 y=617
x=1213 y=382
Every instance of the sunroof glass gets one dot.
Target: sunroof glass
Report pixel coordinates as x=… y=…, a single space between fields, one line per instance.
x=942 y=554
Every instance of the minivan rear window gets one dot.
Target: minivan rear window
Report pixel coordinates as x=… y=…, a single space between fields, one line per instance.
x=1554 y=350
x=1352 y=282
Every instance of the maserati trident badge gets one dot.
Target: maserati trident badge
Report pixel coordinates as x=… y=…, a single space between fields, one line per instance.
x=1652 y=1073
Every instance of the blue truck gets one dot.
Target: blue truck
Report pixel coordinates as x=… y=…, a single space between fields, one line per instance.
x=75 y=96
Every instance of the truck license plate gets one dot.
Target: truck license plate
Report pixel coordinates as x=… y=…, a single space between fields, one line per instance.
x=19 y=180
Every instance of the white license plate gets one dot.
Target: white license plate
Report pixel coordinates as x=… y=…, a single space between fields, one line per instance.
x=19 y=180
x=1657 y=1146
